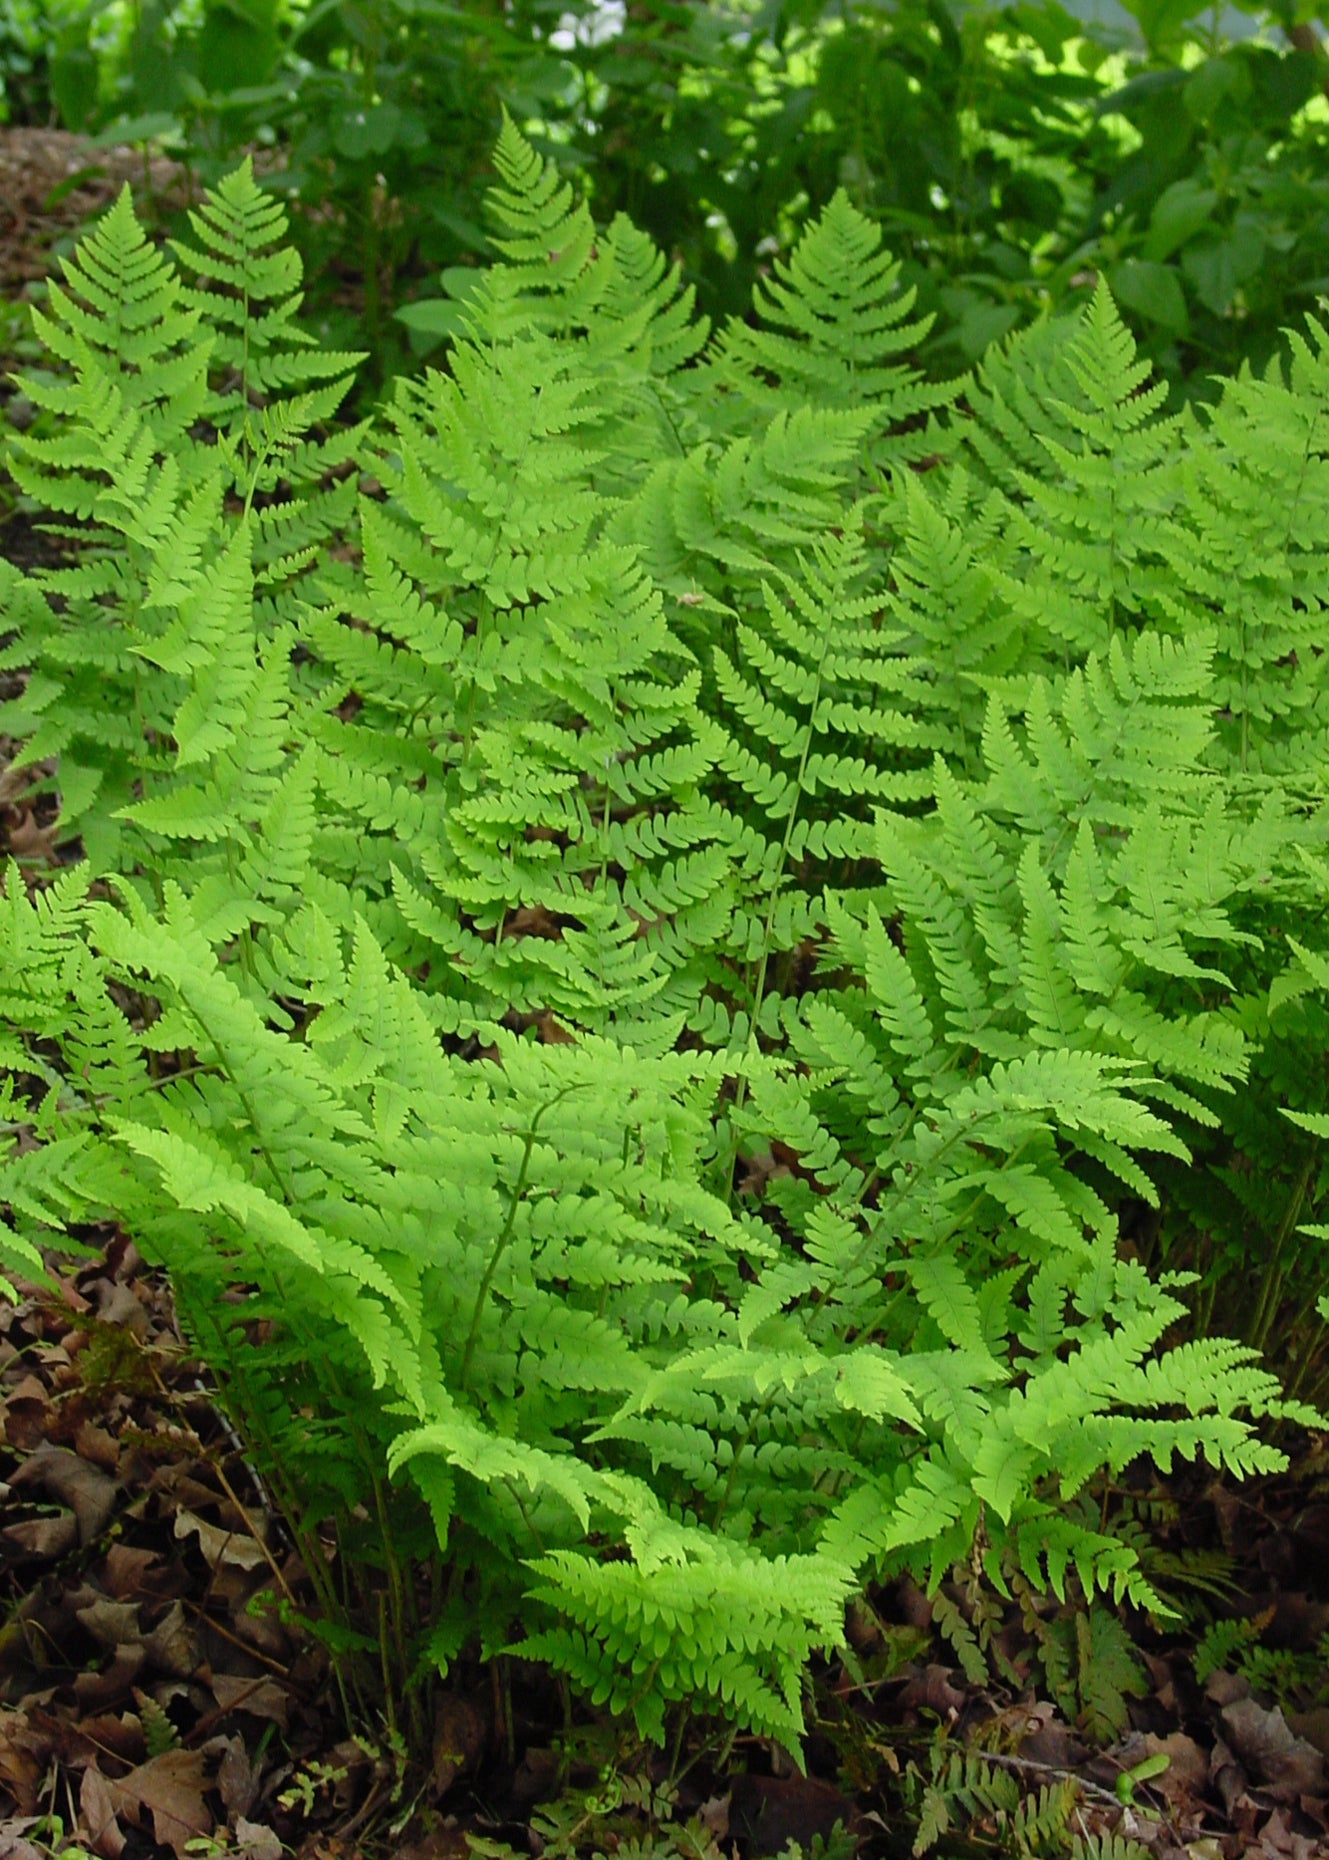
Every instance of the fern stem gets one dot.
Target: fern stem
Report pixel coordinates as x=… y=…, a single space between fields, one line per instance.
x=740 y=1090
x=499 y=1248
x=501 y=1244
x=389 y=1699
x=1301 y=1386
x=1271 y=1286
x=526 y=1518
x=249 y=1415
x=397 y=1612
x=740 y=1447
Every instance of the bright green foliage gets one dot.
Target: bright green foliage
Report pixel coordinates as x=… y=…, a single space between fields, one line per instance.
x=832 y=330
x=273 y=387
x=605 y=296
x=663 y=1039
x=120 y=320
x=1067 y=420
x=946 y=598
x=810 y=731
x=1257 y=537
x=551 y=852
x=1090 y=1667
x=196 y=482
x=1106 y=1847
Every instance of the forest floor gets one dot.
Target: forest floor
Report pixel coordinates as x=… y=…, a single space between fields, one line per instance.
x=51 y=182
x=160 y=1695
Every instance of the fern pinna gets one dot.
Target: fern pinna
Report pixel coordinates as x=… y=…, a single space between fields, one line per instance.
x=551 y=853
x=195 y=482
x=661 y=964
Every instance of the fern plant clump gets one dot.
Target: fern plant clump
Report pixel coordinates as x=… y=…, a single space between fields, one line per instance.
x=662 y=963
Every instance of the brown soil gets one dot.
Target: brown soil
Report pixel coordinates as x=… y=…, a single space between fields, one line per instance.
x=51 y=182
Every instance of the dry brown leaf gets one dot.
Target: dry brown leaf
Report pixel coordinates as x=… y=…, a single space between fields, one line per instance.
x=125 y=1568
x=104 y=1734
x=261 y=1698
x=23 y=1756
x=460 y=1734
x=99 y=1691
x=85 y=1488
x=172 y=1645
x=1184 y=1780
x=170 y=1787
x=41 y=1537
x=97 y=1808
x=441 y=1844
x=117 y=1303
x=14 y=1847
x=767 y=1812
x=1312 y=1726
x=218 y=1545
x=933 y=1691
x=1222 y=1688
x=111 y=1624
x=27 y=839
x=237 y=1785
x=1277 y=1836
x=255 y=1842
x=97 y=1445
x=1046 y=1738
x=1286 y=1765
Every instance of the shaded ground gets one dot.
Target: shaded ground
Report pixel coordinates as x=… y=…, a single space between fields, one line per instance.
x=152 y=1695
x=50 y=182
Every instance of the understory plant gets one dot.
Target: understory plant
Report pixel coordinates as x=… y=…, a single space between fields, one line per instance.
x=653 y=915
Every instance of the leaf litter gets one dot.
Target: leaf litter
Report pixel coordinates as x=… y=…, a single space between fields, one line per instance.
x=153 y=1699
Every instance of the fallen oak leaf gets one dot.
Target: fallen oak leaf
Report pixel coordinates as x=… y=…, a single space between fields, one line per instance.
x=111 y=1624
x=237 y=1780
x=171 y=1788
x=1312 y=1727
x=24 y=1754
x=45 y=1538
x=14 y=1847
x=172 y=1646
x=99 y=1691
x=96 y=1736
x=125 y=1569
x=97 y=1810
x=256 y=1842
x=88 y=1492
x=261 y=1698
x=767 y=1812
x=460 y=1735
x=1287 y=1765
x=218 y=1545
x=96 y=1445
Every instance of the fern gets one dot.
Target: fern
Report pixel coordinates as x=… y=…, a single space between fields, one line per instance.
x=659 y=968
x=148 y=360
x=272 y=387
x=1107 y=1847
x=811 y=726
x=548 y=715
x=159 y=1733
x=832 y=329
x=121 y=319
x=1252 y=555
